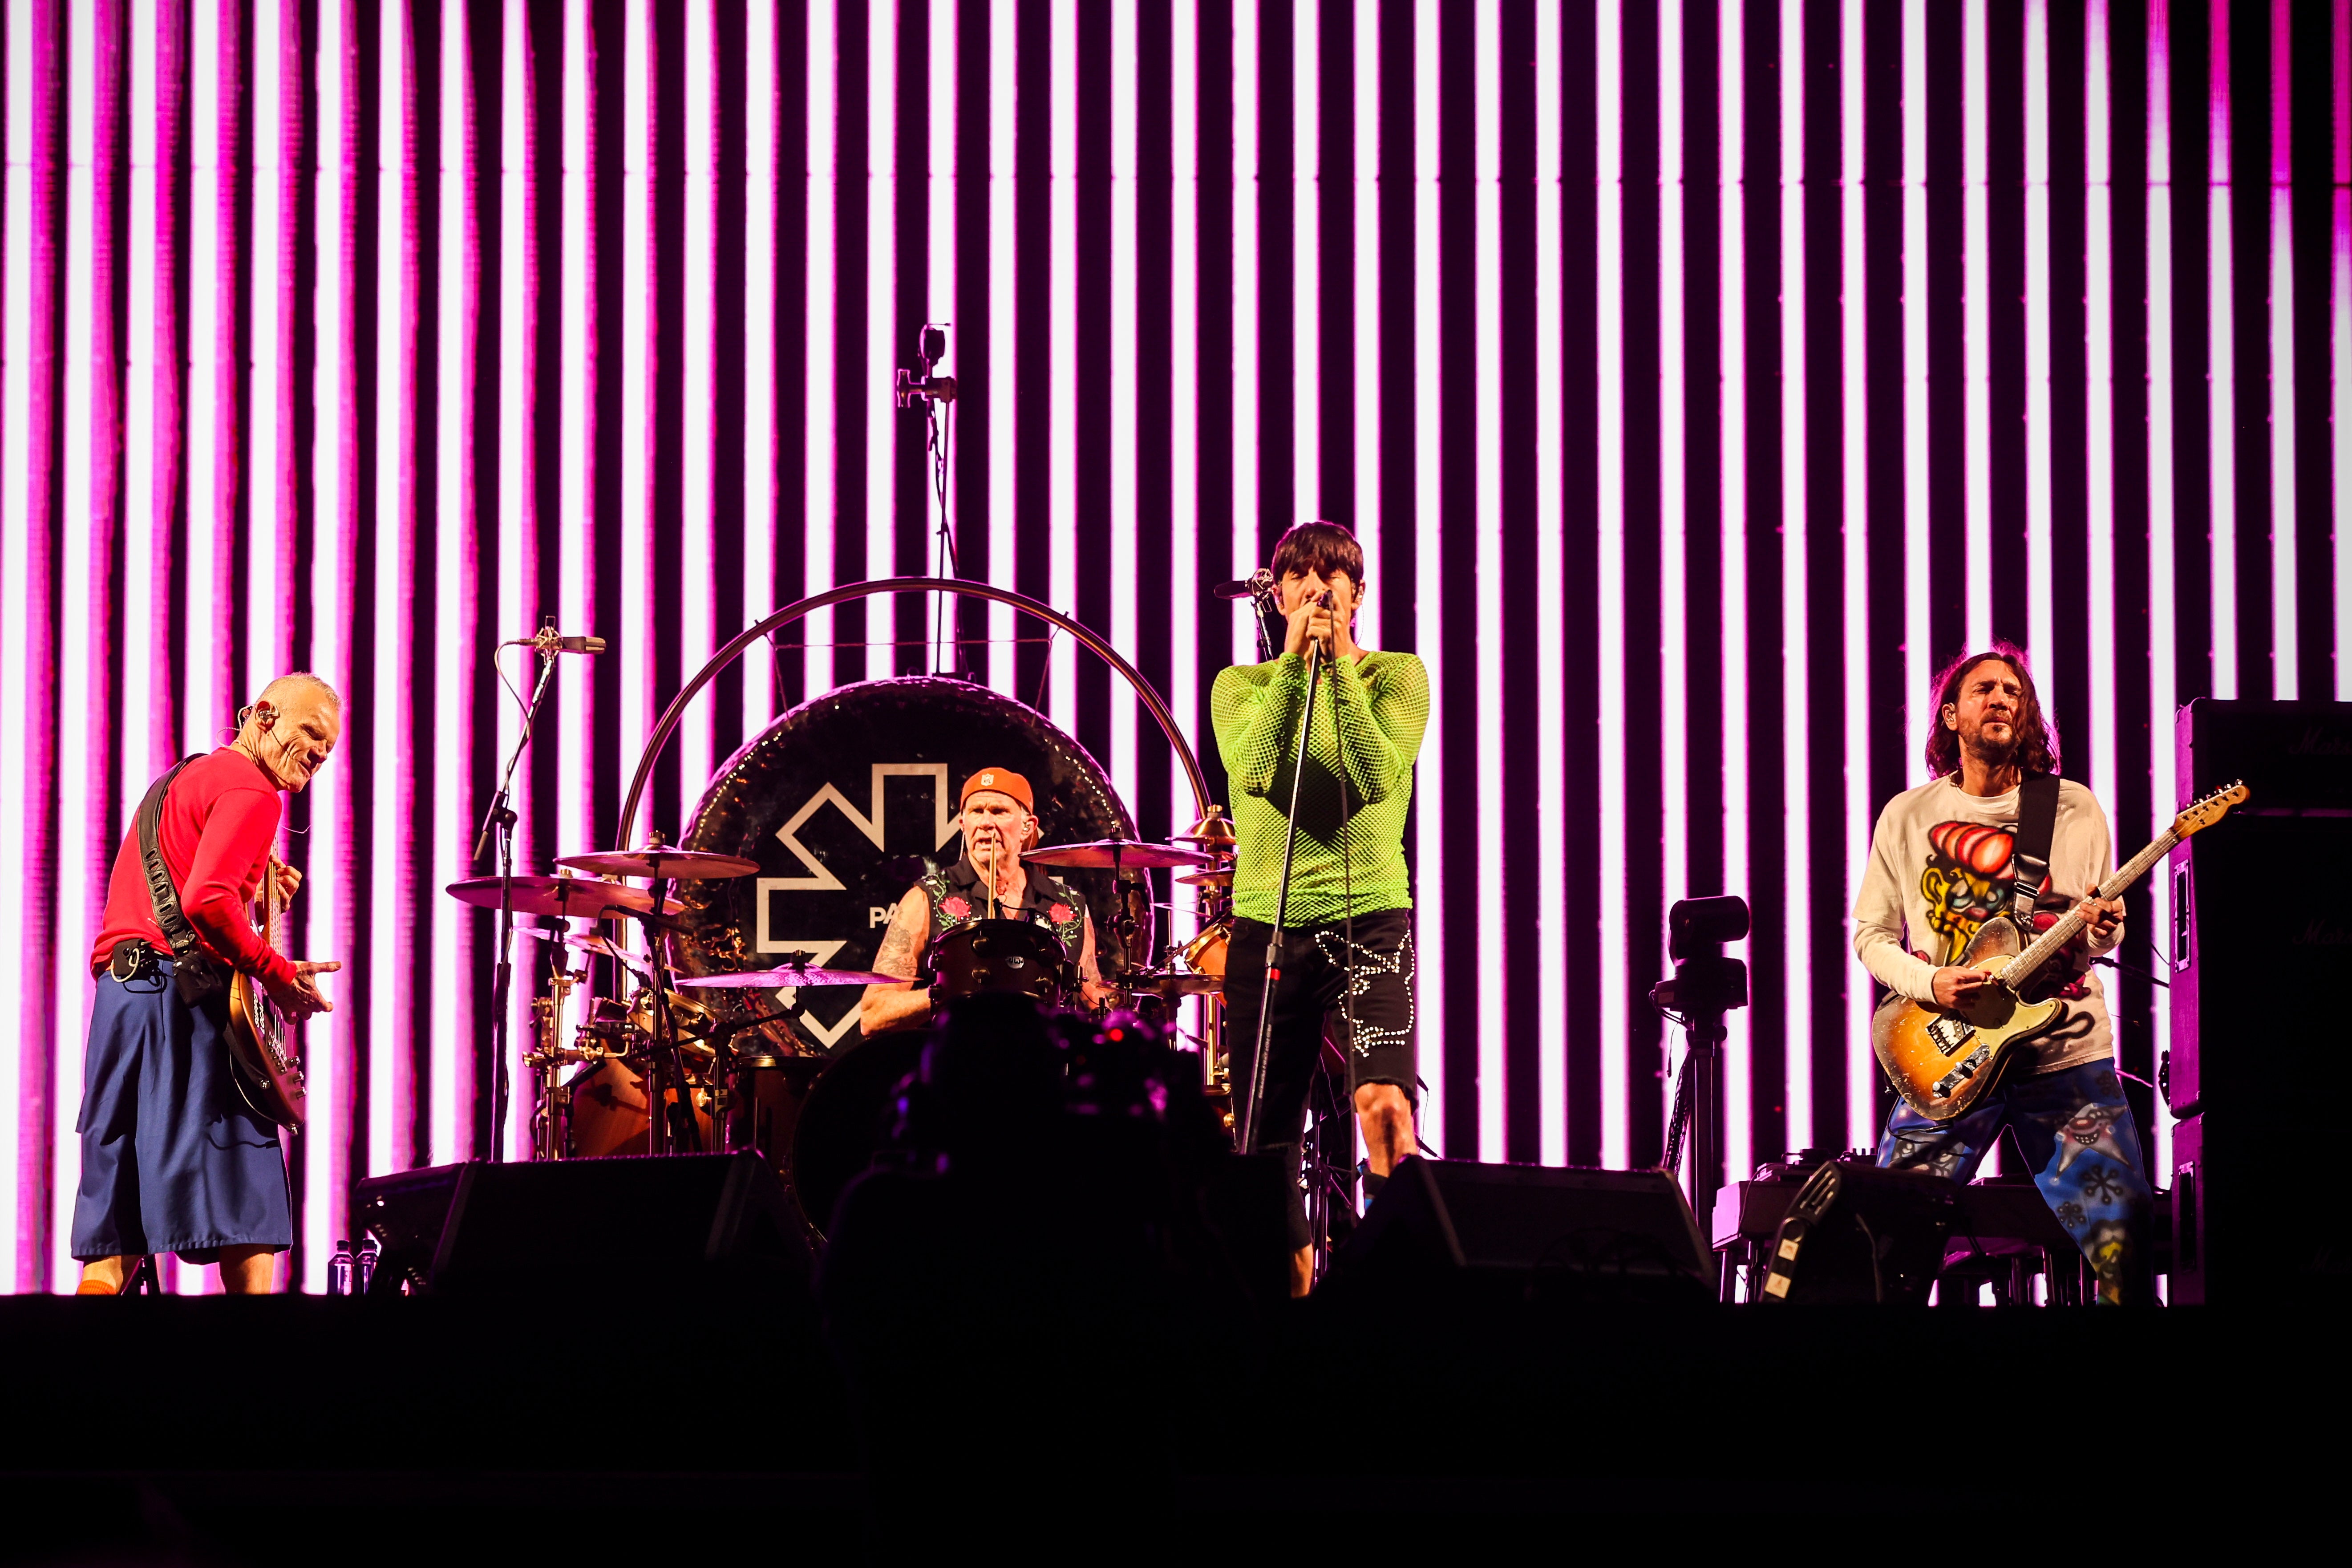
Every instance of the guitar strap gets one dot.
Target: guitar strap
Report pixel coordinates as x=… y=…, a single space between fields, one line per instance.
x=196 y=972
x=2037 y=822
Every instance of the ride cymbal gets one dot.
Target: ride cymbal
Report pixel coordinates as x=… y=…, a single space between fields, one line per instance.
x=660 y=861
x=1116 y=854
x=563 y=898
x=787 y=974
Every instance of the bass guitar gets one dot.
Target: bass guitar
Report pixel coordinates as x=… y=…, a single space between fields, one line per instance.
x=260 y=1035
x=1943 y=1061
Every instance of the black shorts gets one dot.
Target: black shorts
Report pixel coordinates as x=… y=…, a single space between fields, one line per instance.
x=1366 y=994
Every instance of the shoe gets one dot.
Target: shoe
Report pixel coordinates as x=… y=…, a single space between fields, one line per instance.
x=95 y=1287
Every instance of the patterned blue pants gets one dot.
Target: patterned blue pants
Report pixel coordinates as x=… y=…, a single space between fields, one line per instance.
x=2077 y=1133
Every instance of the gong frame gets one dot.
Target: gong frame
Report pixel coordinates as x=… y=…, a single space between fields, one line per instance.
x=671 y=716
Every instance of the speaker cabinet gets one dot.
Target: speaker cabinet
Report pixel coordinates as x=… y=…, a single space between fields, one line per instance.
x=1611 y=1233
x=598 y=1226
x=2263 y=940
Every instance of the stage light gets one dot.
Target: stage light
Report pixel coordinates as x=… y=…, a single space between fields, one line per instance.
x=1551 y=628
x=2221 y=360
x=1731 y=334
x=1796 y=766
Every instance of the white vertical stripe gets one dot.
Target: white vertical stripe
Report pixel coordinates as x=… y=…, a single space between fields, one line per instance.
x=939 y=87
x=2100 y=607
x=566 y=276
x=16 y=654
x=1062 y=355
x=1431 y=569
x=1305 y=265
x=1368 y=345
x=265 y=620
x=329 y=1042
x=1976 y=325
x=1862 y=714
x=820 y=455
x=2039 y=626
x=2339 y=336
x=761 y=194
x=2163 y=789
x=694 y=266
x=2285 y=677
x=454 y=1015
x=518 y=586
x=1609 y=453
x=1731 y=333
x=140 y=611
x=1245 y=557
x=1550 y=630
x=204 y=712
x=2220 y=359
x=1796 y=763
x=391 y=921
x=1183 y=401
x=1918 y=652
x=1487 y=531
x=1125 y=630
x=76 y=856
x=1005 y=429
x=886 y=335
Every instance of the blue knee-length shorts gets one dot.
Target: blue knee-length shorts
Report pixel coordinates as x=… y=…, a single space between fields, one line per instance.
x=172 y=1160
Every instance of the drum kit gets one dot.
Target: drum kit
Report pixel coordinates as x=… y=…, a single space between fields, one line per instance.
x=651 y=1067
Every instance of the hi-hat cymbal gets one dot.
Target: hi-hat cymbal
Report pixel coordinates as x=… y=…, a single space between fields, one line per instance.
x=787 y=974
x=1121 y=854
x=1221 y=876
x=585 y=941
x=1175 y=983
x=661 y=861
x=563 y=898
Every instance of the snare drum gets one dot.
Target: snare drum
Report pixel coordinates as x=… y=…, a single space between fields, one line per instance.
x=999 y=955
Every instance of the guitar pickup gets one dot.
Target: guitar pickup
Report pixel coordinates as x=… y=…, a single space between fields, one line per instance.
x=1962 y=1073
x=1949 y=1032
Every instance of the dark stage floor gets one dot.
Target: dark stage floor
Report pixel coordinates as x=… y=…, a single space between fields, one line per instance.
x=148 y=1430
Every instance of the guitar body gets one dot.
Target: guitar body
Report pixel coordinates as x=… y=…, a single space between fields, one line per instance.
x=1942 y=1063
x=260 y=1039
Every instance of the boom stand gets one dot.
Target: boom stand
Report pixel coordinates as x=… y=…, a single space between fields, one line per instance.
x=501 y=819
x=669 y=1124
x=1249 y=1128
x=1705 y=1069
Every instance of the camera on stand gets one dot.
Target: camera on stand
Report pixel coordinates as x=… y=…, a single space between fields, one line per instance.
x=1706 y=984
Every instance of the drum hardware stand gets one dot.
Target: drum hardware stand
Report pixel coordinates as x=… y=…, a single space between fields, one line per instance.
x=1249 y=1128
x=549 y=1123
x=673 y=1131
x=501 y=819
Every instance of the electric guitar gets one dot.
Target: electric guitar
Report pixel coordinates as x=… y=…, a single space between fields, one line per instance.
x=260 y=1035
x=1942 y=1062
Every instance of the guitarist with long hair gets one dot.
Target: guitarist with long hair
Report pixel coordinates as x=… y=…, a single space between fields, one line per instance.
x=174 y=1157
x=1995 y=832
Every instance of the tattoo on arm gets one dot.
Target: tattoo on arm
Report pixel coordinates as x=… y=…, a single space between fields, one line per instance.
x=900 y=941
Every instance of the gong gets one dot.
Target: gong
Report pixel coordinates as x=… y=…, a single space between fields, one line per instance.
x=842 y=800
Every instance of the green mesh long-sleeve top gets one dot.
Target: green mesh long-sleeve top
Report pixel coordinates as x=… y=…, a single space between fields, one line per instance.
x=1368 y=719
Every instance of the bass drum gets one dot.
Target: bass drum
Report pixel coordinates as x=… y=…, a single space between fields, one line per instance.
x=841 y=801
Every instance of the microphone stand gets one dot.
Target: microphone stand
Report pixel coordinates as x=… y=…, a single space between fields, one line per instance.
x=501 y=819
x=1249 y=1128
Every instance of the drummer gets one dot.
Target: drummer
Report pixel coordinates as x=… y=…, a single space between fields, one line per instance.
x=998 y=816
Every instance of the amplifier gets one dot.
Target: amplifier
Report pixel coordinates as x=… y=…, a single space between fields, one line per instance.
x=2295 y=756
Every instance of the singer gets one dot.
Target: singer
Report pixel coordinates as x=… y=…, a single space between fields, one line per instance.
x=1346 y=944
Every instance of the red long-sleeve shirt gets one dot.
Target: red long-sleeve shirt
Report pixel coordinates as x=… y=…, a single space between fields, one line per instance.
x=220 y=819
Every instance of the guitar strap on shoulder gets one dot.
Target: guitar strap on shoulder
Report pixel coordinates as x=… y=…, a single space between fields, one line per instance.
x=2037 y=822
x=196 y=972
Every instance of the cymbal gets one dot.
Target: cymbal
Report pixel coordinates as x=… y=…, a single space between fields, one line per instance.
x=1176 y=983
x=1124 y=853
x=787 y=974
x=588 y=942
x=1216 y=830
x=661 y=861
x=563 y=898
x=1221 y=876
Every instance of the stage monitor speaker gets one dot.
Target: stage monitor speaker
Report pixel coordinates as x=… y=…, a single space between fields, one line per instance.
x=613 y=1226
x=2262 y=938
x=1605 y=1233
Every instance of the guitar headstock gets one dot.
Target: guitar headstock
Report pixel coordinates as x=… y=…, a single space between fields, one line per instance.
x=2199 y=815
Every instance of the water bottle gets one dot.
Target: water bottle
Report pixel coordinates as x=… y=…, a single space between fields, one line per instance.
x=338 y=1270
x=365 y=1263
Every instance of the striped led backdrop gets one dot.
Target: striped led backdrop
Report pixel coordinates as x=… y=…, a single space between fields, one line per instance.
x=1696 y=376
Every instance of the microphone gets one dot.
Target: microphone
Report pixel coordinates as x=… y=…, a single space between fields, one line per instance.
x=910 y=389
x=550 y=641
x=1256 y=586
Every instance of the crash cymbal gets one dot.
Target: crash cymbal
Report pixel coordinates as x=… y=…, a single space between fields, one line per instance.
x=789 y=975
x=563 y=898
x=1122 y=854
x=660 y=861
x=588 y=942
x=1221 y=876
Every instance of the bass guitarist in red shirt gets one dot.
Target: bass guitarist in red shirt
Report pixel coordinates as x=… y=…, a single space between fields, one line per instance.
x=174 y=1157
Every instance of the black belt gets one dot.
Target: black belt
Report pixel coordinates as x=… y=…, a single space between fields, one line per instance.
x=134 y=959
